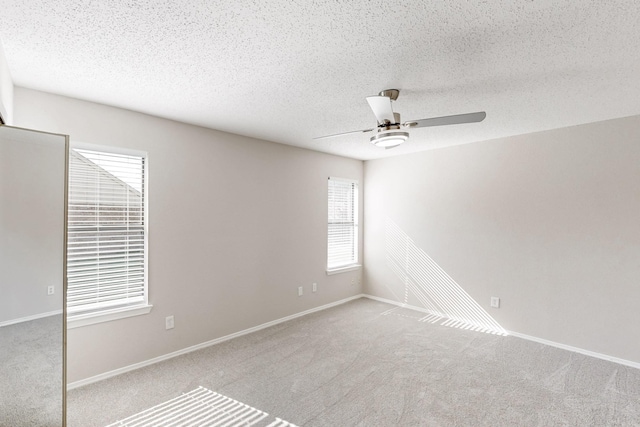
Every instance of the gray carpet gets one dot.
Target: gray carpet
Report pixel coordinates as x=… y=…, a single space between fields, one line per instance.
x=352 y=366
x=31 y=373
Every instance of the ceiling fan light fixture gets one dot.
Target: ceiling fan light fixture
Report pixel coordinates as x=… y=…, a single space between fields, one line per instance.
x=389 y=139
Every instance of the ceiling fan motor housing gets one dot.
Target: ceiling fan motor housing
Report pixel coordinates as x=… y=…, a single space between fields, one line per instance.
x=389 y=134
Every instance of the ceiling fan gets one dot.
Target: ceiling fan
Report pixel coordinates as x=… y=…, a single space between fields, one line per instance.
x=389 y=133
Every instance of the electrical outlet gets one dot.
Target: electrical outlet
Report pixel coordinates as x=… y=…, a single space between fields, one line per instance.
x=495 y=302
x=353 y=281
x=300 y=291
x=50 y=290
x=314 y=287
x=168 y=322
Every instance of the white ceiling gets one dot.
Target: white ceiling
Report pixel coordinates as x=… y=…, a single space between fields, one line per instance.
x=289 y=70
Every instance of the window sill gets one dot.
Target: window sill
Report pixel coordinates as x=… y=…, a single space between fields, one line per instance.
x=87 y=319
x=343 y=269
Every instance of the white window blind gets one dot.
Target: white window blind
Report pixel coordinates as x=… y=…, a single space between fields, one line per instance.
x=106 y=231
x=343 y=223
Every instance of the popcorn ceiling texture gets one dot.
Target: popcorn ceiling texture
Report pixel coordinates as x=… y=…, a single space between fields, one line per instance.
x=287 y=71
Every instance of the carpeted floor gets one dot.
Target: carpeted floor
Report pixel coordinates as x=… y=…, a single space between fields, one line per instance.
x=360 y=364
x=31 y=373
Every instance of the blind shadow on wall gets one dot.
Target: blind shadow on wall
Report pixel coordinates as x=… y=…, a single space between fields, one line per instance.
x=424 y=280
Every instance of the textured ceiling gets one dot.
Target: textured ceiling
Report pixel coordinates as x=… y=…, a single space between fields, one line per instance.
x=289 y=70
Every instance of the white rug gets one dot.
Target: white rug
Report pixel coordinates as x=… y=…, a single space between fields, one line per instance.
x=199 y=408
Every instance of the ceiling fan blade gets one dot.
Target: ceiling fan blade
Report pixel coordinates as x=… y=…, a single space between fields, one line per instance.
x=447 y=120
x=344 y=133
x=381 y=106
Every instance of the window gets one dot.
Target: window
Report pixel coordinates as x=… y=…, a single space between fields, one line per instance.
x=106 y=233
x=343 y=224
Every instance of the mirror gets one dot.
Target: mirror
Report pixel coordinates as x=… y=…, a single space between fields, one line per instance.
x=32 y=284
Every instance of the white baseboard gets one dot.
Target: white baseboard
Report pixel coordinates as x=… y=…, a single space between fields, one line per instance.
x=139 y=365
x=29 y=318
x=526 y=337
x=401 y=304
x=577 y=350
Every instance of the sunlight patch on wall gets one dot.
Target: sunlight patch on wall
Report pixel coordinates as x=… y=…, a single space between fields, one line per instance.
x=443 y=299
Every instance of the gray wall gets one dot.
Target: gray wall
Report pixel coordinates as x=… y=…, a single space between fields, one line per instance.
x=548 y=222
x=31 y=223
x=236 y=225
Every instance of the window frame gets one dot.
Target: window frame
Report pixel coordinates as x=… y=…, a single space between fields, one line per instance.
x=117 y=312
x=354 y=264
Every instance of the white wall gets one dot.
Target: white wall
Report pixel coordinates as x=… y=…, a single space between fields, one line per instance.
x=31 y=223
x=236 y=225
x=549 y=222
x=6 y=90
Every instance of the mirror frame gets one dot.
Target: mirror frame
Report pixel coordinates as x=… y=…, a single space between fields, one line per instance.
x=64 y=281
